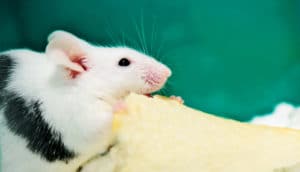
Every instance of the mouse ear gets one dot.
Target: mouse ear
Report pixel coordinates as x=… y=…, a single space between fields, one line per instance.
x=67 y=50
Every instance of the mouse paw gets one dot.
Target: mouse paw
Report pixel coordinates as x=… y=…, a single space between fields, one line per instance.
x=178 y=99
x=120 y=106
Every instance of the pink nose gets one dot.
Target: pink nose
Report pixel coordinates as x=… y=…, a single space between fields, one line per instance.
x=166 y=72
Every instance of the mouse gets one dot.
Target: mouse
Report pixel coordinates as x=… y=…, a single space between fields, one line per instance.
x=56 y=106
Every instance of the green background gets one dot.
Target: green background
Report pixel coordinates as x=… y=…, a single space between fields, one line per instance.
x=232 y=58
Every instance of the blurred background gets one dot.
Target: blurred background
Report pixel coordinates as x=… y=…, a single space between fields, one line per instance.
x=231 y=58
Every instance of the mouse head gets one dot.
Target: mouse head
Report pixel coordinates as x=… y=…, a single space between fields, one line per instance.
x=106 y=72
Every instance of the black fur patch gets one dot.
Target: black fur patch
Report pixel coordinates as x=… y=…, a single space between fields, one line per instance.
x=6 y=67
x=26 y=120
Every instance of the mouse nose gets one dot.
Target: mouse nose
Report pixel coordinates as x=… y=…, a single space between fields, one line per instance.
x=166 y=71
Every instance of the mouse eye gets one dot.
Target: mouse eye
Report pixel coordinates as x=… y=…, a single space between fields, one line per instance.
x=124 y=62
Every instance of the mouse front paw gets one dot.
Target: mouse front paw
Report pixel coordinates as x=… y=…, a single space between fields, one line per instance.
x=177 y=98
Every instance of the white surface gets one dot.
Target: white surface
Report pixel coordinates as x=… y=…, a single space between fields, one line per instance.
x=284 y=115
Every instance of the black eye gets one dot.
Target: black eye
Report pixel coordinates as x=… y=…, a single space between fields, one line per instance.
x=124 y=62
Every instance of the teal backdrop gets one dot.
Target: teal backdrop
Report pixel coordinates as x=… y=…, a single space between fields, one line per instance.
x=232 y=58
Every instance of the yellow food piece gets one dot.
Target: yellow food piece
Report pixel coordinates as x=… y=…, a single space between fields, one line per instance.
x=116 y=124
x=160 y=135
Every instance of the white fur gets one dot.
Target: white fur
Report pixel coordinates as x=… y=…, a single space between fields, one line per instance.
x=80 y=108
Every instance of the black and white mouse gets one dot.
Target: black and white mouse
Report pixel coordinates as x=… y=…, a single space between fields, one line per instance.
x=57 y=106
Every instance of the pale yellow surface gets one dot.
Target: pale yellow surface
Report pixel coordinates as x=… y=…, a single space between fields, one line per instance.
x=161 y=135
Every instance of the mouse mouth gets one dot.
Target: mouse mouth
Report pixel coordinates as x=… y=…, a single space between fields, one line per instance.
x=148 y=95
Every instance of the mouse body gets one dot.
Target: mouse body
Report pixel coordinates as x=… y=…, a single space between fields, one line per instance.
x=57 y=106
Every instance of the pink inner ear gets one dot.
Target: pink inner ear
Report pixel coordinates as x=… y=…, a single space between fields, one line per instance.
x=81 y=61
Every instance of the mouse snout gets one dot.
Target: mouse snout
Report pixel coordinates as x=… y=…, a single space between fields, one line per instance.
x=160 y=73
x=156 y=76
x=166 y=71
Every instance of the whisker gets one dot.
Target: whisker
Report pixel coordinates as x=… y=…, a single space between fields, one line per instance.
x=144 y=42
x=152 y=36
x=139 y=35
x=109 y=31
x=162 y=44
